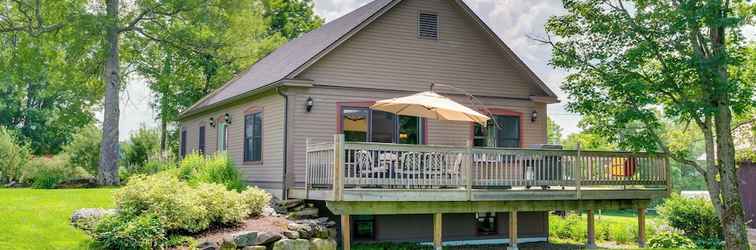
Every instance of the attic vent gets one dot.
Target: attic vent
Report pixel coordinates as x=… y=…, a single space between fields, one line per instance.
x=427 y=26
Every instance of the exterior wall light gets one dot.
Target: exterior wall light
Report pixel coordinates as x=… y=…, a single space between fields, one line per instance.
x=227 y=118
x=533 y=116
x=309 y=103
x=212 y=122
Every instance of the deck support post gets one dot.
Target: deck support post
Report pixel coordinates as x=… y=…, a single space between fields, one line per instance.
x=468 y=169
x=338 y=167
x=512 y=230
x=642 y=227
x=437 y=231
x=591 y=238
x=345 y=232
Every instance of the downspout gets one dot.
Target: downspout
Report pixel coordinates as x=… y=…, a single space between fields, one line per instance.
x=284 y=186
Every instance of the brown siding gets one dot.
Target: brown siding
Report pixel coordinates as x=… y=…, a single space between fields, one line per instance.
x=321 y=123
x=747 y=178
x=387 y=54
x=419 y=227
x=267 y=174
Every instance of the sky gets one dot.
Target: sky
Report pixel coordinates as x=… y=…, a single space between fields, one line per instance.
x=515 y=21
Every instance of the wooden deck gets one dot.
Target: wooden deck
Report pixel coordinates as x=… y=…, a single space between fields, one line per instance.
x=348 y=171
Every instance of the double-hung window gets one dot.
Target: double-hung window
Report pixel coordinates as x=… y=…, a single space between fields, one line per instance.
x=366 y=125
x=201 y=144
x=222 y=136
x=253 y=137
x=182 y=147
x=505 y=135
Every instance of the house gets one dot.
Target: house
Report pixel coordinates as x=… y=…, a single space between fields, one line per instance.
x=298 y=124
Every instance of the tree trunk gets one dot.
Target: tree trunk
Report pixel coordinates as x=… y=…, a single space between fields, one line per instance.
x=163 y=136
x=107 y=173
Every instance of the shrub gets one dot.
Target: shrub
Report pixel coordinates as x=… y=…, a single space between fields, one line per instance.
x=173 y=201
x=217 y=168
x=142 y=145
x=48 y=172
x=153 y=166
x=123 y=232
x=13 y=157
x=255 y=200
x=695 y=217
x=670 y=240
x=84 y=149
x=223 y=206
x=571 y=227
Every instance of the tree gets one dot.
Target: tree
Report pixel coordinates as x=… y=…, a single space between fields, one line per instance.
x=554 y=131
x=631 y=57
x=291 y=18
x=588 y=141
x=49 y=83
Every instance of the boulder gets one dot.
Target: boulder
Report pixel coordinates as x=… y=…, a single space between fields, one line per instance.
x=255 y=248
x=322 y=244
x=208 y=245
x=291 y=203
x=269 y=211
x=287 y=244
x=291 y=234
x=333 y=233
x=241 y=239
x=11 y=184
x=86 y=218
x=304 y=213
x=264 y=238
x=305 y=231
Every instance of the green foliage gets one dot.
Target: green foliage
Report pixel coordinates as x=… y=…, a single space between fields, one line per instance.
x=554 y=131
x=124 y=232
x=84 y=149
x=173 y=201
x=695 y=217
x=48 y=172
x=390 y=246
x=218 y=168
x=142 y=145
x=291 y=18
x=255 y=200
x=13 y=157
x=226 y=207
x=588 y=141
x=670 y=240
x=571 y=227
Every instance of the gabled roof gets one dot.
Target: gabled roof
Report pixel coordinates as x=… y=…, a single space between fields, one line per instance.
x=291 y=58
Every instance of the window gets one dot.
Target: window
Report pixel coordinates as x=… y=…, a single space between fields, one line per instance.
x=506 y=135
x=486 y=223
x=201 y=145
x=222 y=136
x=364 y=227
x=365 y=125
x=253 y=137
x=182 y=147
x=427 y=26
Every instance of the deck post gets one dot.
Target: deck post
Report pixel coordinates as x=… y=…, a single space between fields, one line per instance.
x=345 y=232
x=437 y=231
x=578 y=172
x=468 y=169
x=338 y=169
x=307 y=167
x=591 y=239
x=642 y=227
x=512 y=230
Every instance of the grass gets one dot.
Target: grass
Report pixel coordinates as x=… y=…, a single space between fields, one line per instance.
x=39 y=219
x=616 y=228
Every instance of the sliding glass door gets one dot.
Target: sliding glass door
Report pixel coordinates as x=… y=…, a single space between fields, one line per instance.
x=365 y=125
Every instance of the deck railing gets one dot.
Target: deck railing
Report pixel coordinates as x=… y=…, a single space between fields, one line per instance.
x=396 y=166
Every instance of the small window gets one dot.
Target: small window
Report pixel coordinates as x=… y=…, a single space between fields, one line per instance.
x=486 y=223
x=364 y=227
x=427 y=26
x=222 y=136
x=201 y=146
x=182 y=147
x=253 y=137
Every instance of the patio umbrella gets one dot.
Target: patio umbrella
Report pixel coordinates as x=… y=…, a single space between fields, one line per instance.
x=431 y=105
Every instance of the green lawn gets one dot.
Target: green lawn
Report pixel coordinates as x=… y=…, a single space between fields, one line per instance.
x=39 y=219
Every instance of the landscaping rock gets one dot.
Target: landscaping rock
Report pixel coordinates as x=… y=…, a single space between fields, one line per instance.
x=304 y=213
x=287 y=244
x=10 y=184
x=86 y=218
x=322 y=244
x=255 y=248
x=268 y=211
x=291 y=234
x=291 y=203
x=228 y=245
x=333 y=233
x=208 y=245
x=241 y=239
x=264 y=238
x=305 y=231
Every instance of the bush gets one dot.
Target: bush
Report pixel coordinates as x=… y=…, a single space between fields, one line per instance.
x=696 y=218
x=13 y=157
x=153 y=166
x=173 y=201
x=217 y=168
x=142 y=145
x=670 y=240
x=571 y=227
x=84 y=149
x=223 y=206
x=255 y=199
x=122 y=232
